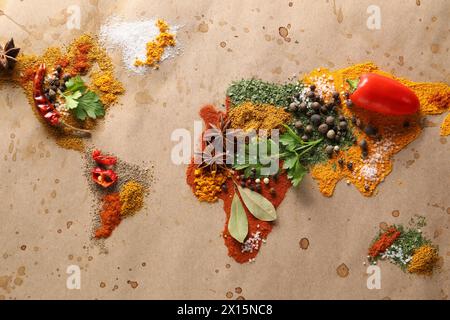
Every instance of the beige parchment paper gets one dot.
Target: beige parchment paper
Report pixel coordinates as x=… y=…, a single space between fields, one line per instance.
x=173 y=248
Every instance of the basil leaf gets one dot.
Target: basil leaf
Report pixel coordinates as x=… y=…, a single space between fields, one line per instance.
x=238 y=222
x=259 y=207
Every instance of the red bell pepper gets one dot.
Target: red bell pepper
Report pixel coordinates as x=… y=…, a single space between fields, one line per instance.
x=105 y=178
x=384 y=95
x=102 y=159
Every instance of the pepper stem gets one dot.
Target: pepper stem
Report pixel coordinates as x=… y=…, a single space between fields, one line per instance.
x=78 y=131
x=353 y=84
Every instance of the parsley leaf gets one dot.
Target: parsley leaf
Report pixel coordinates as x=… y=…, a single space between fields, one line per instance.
x=71 y=100
x=75 y=84
x=254 y=163
x=293 y=148
x=297 y=173
x=90 y=103
x=82 y=102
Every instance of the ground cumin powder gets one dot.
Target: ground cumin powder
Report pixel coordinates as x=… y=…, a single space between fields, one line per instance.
x=396 y=132
x=248 y=116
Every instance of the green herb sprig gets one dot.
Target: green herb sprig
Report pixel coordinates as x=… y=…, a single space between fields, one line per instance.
x=255 y=163
x=294 y=148
x=81 y=101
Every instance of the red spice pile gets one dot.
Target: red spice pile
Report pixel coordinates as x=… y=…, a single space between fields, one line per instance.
x=81 y=63
x=211 y=115
x=384 y=242
x=110 y=215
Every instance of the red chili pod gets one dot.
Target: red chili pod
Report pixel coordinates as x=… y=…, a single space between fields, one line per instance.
x=102 y=159
x=384 y=95
x=104 y=178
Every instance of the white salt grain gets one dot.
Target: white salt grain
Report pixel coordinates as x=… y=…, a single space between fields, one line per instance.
x=131 y=38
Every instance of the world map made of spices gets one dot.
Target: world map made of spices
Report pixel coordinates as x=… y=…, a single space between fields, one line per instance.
x=339 y=140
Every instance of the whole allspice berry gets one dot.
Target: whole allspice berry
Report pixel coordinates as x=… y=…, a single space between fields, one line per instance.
x=323 y=128
x=331 y=134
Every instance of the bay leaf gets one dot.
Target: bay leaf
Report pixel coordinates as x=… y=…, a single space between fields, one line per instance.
x=238 y=223
x=259 y=207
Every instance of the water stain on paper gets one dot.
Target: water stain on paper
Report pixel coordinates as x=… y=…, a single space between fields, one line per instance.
x=203 y=27
x=343 y=271
x=304 y=243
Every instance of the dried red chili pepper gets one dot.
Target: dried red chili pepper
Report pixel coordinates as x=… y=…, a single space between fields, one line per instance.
x=105 y=178
x=381 y=94
x=102 y=159
x=45 y=107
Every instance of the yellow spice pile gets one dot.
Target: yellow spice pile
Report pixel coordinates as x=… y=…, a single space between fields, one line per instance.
x=424 y=260
x=132 y=198
x=208 y=184
x=108 y=87
x=249 y=116
x=395 y=134
x=155 y=49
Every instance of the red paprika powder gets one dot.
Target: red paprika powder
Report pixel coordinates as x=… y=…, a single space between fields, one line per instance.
x=384 y=242
x=110 y=215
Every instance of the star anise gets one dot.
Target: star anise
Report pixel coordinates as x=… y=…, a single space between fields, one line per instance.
x=8 y=55
x=215 y=159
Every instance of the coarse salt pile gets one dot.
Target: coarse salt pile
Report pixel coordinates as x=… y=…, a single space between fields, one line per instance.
x=252 y=243
x=132 y=38
x=324 y=85
x=396 y=252
x=370 y=170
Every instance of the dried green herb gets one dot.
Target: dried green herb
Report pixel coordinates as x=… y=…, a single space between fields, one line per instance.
x=258 y=91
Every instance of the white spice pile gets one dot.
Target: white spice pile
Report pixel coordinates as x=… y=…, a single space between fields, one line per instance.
x=369 y=171
x=131 y=38
x=252 y=243
x=324 y=85
x=395 y=253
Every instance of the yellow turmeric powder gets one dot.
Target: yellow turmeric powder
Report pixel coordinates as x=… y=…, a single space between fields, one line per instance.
x=208 y=184
x=445 y=127
x=108 y=87
x=423 y=260
x=396 y=132
x=131 y=198
x=250 y=116
x=155 y=49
